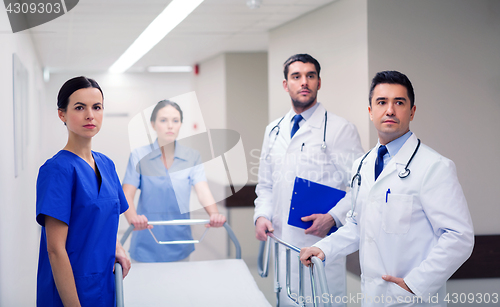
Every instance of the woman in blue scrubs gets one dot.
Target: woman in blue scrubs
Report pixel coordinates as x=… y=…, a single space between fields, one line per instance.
x=165 y=175
x=79 y=200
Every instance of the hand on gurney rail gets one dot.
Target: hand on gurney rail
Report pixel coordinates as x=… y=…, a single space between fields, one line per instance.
x=216 y=220
x=121 y=257
x=140 y=222
x=262 y=227
x=307 y=252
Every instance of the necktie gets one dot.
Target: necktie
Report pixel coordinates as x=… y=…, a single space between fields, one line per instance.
x=379 y=164
x=296 y=119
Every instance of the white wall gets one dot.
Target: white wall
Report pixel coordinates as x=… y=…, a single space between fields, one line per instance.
x=19 y=233
x=247 y=107
x=336 y=35
x=450 y=50
x=210 y=87
x=232 y=90
x=247 y=103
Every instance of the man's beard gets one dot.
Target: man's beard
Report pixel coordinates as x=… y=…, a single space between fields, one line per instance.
x=303 y=105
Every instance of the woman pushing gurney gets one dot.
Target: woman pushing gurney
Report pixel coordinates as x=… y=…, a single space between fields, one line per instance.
x=165 y=172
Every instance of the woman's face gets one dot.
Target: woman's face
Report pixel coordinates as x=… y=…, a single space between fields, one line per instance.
x=83 y=115
x=167 y=125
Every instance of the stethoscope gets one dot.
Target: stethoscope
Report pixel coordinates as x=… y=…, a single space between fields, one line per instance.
x=403 y=174
x=277 y=128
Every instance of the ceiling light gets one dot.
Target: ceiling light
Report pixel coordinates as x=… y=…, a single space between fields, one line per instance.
x=254 y=4
x=171 y=16
x=170 y=69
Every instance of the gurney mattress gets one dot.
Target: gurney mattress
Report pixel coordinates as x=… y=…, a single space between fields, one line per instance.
x=200 y=283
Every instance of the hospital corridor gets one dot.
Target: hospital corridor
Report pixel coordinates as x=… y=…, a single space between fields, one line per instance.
x=184 y=111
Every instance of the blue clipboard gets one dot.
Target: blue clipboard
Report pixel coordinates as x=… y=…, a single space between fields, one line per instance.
x=309 y=198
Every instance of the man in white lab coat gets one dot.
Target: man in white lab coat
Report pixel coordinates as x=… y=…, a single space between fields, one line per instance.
x=410 y=220
x=317 y=146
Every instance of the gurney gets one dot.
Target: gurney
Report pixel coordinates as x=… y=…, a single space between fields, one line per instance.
x=226 y=282
x=315 y=278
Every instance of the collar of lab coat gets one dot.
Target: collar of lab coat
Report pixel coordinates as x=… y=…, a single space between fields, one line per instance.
x=315 y=121
x=401 y=158
x=404 y=154
x=317 y=118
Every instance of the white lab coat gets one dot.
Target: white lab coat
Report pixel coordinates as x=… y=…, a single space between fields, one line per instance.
x=423 y=233
x=302 y=156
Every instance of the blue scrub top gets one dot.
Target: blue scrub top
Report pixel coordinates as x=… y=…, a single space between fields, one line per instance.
x=164 y=196
x=68 y=190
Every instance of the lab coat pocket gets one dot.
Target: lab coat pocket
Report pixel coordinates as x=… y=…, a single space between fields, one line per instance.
x=399 y=296
x=396 y=216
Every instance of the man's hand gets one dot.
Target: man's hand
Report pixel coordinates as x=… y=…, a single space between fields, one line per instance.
x=322 y=223
x=398 y=281
x=261 y=225
x=121 y=257
x=307 y=252
x=140 y=222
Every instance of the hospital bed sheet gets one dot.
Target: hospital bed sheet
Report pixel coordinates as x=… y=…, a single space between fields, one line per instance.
x=201 y=283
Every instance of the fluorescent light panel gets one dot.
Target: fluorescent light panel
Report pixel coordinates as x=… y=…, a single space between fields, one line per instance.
x=171 y=16
x=170 y=69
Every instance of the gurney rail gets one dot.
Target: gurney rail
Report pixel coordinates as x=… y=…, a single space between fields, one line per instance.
x=118 y=267
x=119 y=284
x=263 y=266
x=228 y=228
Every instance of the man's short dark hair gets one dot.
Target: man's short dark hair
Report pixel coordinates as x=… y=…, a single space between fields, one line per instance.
x=301 y=57
x=393 y=77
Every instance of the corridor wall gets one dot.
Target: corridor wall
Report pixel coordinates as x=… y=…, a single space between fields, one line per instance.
x=19 y=233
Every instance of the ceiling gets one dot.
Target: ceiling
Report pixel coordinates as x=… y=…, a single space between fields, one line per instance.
x=95 y=33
